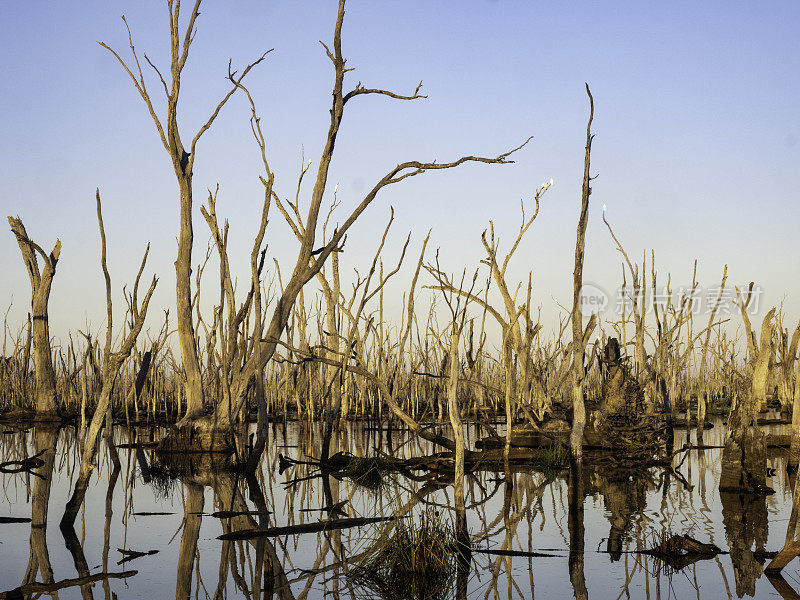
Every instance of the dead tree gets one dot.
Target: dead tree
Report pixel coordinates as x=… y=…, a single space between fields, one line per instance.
x=263 y=348
x=578 y=371
x=183 y=162
x=41 y=282
x=644 y=372
x=759 y=357
x=112 y=364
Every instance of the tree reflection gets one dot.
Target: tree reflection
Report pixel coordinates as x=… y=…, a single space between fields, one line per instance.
x=45 y=440
x=576 y=532
x=745 y=521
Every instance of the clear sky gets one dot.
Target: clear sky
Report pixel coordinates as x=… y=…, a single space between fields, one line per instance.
x=697 y=146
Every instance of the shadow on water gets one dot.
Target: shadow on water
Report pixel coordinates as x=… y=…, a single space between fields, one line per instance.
x=376 y=524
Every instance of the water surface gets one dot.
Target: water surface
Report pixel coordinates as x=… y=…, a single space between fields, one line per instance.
x=136 y=507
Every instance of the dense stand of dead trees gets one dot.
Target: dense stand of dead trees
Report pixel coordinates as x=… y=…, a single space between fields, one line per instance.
x=259 y=355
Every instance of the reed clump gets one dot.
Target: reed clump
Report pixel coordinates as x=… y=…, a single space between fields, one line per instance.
x=554 y=458
x=418 y=560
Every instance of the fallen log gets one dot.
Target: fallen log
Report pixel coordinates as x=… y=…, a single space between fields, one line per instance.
x=46 y=588
x=15 y=520
x=327 y=525
x=521 y=553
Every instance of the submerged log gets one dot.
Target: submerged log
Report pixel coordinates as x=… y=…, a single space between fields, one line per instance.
x=326 y=525
x=787 y=554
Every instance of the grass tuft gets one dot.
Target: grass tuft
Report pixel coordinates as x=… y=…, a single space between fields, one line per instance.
x=417 y=561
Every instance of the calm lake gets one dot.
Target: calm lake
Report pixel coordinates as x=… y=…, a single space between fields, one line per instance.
x=137 y=518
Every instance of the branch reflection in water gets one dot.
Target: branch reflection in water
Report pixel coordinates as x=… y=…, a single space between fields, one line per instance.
x=151 y=521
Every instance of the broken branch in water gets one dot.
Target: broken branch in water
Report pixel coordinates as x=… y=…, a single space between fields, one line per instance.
x=327 y=525
x=129 y=555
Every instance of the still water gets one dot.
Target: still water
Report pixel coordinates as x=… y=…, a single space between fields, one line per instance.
x=139 y=519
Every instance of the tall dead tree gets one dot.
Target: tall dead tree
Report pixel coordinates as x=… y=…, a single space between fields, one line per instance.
x=41 y=282
x=579 y=337
x=310 y=260
x=182 y=162
x=112 y=364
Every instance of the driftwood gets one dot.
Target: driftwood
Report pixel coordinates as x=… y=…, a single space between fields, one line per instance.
x=327 y=525
x=15 y=520
x=137 y=445
x=45 y=588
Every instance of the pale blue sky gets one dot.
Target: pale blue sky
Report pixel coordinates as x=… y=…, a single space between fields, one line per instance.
x=697 y=135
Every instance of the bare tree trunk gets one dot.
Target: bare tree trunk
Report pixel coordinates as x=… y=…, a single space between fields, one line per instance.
x=111 y=368
x=41 y=283
x=454 y=413
x=578 y=342
x=193 y=385
x=182 y=158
